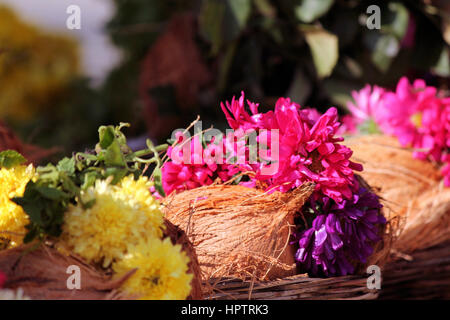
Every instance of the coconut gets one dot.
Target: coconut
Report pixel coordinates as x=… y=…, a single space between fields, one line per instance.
x=42 y=272
x=178 y=236
x=411 y=190
x=245 y=233
x=427 y=220
x=392 y=171
x=238 y=231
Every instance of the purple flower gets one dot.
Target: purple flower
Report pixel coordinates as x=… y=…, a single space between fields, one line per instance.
x=340 y=235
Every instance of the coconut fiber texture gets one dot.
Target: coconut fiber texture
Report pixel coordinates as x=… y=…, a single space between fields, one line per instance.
x=410 y=189
x=42 y=272
x=238 y=231
x=391 y=170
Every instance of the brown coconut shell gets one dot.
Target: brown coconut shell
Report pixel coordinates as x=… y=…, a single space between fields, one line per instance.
x=411 y=190
x=178 y=236
x=41 y=272
x=392 y=171
x=237 y=231
x=427 y=221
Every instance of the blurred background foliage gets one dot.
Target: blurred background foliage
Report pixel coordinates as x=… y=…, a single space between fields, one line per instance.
x=181 y=58
x=43 y=95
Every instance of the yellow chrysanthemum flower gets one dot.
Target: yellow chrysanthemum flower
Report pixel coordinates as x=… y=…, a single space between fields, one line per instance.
x=161 y=271
x=12 y=217
x=122 y=215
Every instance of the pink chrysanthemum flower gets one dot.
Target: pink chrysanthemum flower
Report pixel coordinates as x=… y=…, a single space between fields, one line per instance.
x=313 y=153
x=187 y=168
x=308 y=148
x=196 y=165
x=418 y=118
x=348 y=126
x=367 y=103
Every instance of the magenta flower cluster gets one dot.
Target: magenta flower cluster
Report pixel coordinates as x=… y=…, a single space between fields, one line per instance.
x=308 y=149
x=200 y=170
x=417 y=114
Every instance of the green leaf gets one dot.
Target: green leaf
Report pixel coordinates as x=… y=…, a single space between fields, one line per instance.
x=46 y=200
x=324 y=50
x=386 y=49
x=397 y=18
x=51 y=193
x=11 y=158
x=113 y=155
x=89 y=180
x=67 y=165
x=241 y=11
x=49 y=174
x=265 y=8
x=157 y=178
x=68 y=184
x=117 y=174
x=106 y=135
x=446 y=30
x=309 y=10
x=32 y=208
x=89 y=204
x=210 y=23
x=442 y=67
x=120 y=137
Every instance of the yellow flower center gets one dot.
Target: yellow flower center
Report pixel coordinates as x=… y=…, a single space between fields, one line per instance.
x=416 y=119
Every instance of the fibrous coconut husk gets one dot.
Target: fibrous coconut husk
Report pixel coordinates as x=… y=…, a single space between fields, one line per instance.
x=238 y=231
x=391 y=169
x=42 y=272
x=42 y=275
x=411 y=189
x=178 y=236
x=427 y=220
x=244 y=233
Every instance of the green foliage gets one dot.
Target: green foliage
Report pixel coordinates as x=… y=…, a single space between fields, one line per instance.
x=11 y=158
x=46 y=199
x=310 y=10
x=324 y=50
x=315 y=51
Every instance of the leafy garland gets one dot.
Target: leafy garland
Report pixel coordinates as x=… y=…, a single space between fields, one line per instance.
x=47 y=198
